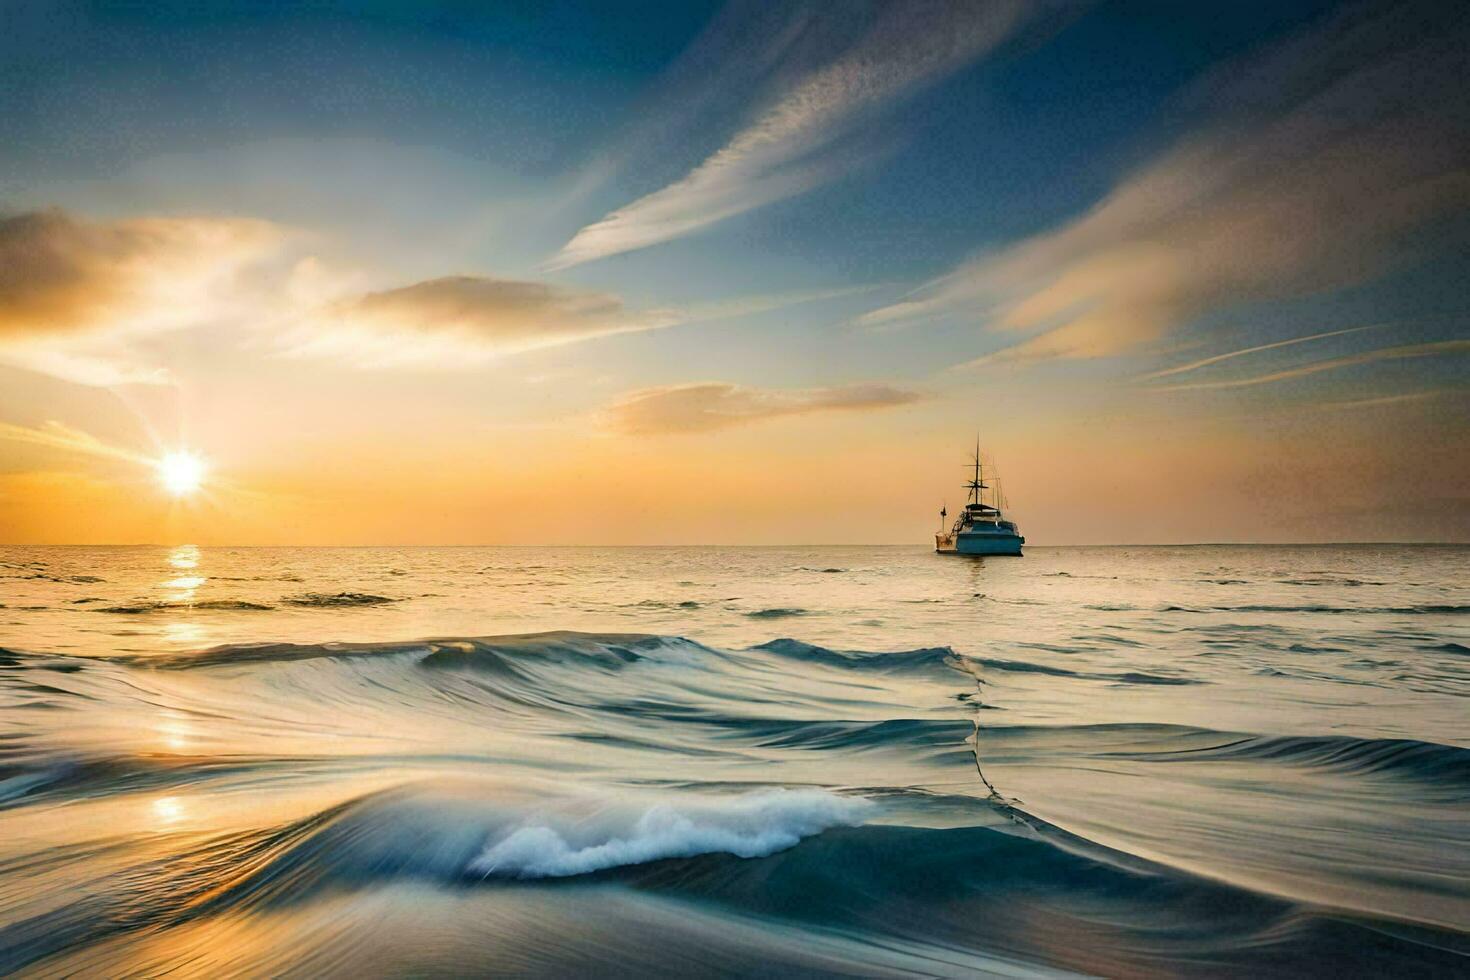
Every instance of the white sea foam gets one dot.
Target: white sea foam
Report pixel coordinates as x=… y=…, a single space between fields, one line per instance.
x=751 y=825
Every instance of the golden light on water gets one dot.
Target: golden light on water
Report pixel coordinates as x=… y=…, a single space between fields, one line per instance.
x=181 y=472
x=167 y=810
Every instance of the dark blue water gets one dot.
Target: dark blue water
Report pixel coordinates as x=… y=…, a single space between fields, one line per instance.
x=859 y=761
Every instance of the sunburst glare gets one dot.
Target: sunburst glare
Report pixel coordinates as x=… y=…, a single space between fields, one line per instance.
x=182 y=472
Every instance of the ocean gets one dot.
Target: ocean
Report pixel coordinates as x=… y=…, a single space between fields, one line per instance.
x=862 y=761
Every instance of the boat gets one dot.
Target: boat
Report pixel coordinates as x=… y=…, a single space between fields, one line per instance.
x=981 y=528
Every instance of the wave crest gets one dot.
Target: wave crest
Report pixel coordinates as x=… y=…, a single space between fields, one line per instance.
x=333 y=599
x=752 y=825
x=900 y=660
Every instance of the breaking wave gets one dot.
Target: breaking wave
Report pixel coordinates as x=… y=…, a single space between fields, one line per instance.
x=752 y=825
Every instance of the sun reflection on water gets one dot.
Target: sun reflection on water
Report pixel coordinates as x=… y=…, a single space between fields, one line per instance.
x=185 y=633
x=168 y=810
x=175 y=731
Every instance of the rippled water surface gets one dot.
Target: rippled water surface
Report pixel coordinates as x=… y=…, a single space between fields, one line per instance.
x=869 y=761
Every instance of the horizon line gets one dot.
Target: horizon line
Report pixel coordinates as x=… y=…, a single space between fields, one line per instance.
x=1110 y=544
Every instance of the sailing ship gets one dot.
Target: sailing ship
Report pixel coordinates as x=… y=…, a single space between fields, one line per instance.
x=981 y=528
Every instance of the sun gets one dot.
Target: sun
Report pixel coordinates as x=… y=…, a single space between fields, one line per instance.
x=181 y=472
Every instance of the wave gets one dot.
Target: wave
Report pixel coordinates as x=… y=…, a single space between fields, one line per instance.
x=1431 y=762
x=1348 y=582
x=1436 y=765
x=216 y=605
x=513 y=655
x=920 y=733
x=1121 y=677
x=491 y=654
x=606 y=651
x=1450 y=609
x=40 y=779
x=753 y=825
x=329 y=599
x=782 y=872
x=925 y=658
x=779 y=612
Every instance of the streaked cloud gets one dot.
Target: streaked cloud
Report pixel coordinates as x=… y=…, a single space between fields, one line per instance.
x=461 y=320
x=66 y=439
x=1399 y=353
x=465 y=321
x=1322 y=157
x=77 y=295
x=790 y=147
x=1386 y=401
x=705 y=406
x=742 y=306
x=1258 y=348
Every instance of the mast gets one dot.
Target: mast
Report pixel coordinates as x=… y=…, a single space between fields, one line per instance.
x=978 y=507
x=976 y=484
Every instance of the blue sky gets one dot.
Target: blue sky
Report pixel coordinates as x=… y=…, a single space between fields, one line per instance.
x=720 y=235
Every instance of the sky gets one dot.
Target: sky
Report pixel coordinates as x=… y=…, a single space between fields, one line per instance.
x=744 y=273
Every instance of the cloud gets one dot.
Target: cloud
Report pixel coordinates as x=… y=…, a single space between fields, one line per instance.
x=1321 y=158
x=459 y=321
x=73 y=291
x=1229 y=355
x=702 y=407
x=61 y=274
x=789 y=147
x=79 y=298
x=63 y=438
x=1402 y=352
x=1384 y=401
x=464 y=321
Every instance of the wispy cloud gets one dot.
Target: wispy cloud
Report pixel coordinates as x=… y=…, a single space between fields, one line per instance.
x=1403 y=352
x=465 y=321
x=63 y=438
x=77 y=298
x=460 y=320
x=765 y=303
x=783 y=152
x=706 y=406
x=1385 y=401
x=1322 y=157
x=1216 y=359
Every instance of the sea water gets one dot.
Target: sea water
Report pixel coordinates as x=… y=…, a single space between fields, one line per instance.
x=862 y=761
